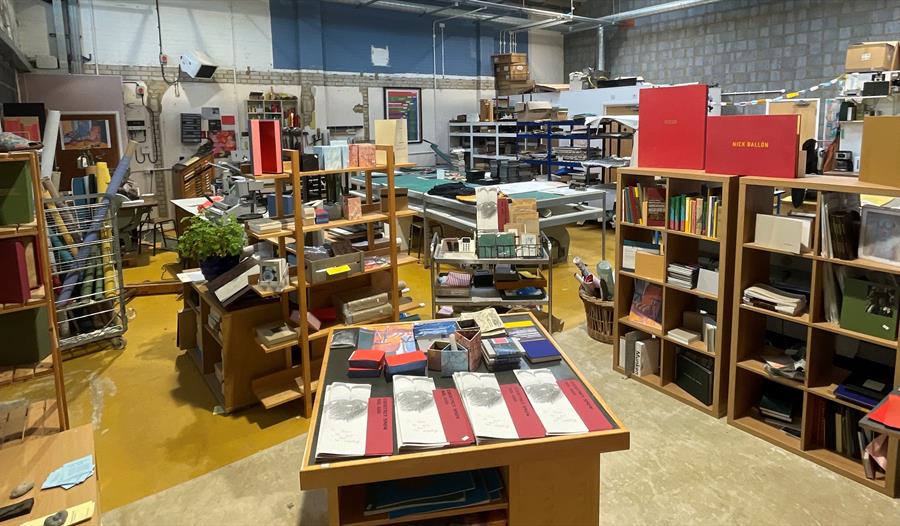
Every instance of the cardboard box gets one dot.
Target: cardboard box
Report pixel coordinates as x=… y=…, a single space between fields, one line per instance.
x=873 y=56
x=755 y=145
x=880 y=158
x=510 y=58
x=650 y=266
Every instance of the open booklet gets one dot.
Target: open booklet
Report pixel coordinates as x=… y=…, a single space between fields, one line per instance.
x=345 y=409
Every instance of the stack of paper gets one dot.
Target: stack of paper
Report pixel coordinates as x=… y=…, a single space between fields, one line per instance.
x=418 y=421
x=682 y=275
x=549 y=402
x=770 y=298
x=342 y=433
x=484 y=403
x=71 y=473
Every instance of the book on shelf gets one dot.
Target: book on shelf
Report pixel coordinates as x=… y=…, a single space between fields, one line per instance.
x=432 y=493
x=683 y=336
x=644 y=205
x=694 y=374
x=646 y=357
x=753 y=145
x=263 y=225
x=682 y=275
x=788 y=233
x=785 y=363
x=869 y=379
x=770 y=298
x=631 y=248
x=673 y=126
x=646 y=304
x=696 y=213
x=626 y=349
x=274 y=333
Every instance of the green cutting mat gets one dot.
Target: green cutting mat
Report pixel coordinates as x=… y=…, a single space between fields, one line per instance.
x=418 y=184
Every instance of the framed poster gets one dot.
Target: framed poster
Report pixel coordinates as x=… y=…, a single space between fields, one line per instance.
x=97 y=131
x=78 y=134
x=405 y=103
x=879 y=237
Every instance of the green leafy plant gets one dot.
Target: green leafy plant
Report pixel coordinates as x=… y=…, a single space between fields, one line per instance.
x=207 y=237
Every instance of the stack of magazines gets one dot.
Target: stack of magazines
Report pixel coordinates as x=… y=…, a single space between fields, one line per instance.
x=682 y=275
x=769 y=298
x=502 y=354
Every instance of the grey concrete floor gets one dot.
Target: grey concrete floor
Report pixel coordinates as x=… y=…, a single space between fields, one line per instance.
x=683 y=467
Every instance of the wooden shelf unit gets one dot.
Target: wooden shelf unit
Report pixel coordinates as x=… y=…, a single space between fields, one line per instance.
x=41 y=415
x=295 y=380
x=680 y=247
x=748 y=378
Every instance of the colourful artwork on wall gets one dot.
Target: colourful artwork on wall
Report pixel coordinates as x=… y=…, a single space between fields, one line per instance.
x=25 y=127
x=78 y=134
x=405 y=103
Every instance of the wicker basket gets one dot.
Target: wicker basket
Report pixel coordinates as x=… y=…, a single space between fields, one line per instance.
x=599 y=316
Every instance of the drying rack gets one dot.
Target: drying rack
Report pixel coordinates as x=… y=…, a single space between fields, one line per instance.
x=96 y=309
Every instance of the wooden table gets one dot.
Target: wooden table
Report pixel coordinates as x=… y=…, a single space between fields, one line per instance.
x=552 y=480
x=35 y=459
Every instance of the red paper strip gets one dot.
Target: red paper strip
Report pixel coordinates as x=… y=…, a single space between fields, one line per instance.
x=380 y=431
x=527 y=423
x=457 y=427
x=584 y=405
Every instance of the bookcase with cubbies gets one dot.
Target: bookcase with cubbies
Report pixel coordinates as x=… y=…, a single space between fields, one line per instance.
x=692 y=236
x=812 y=414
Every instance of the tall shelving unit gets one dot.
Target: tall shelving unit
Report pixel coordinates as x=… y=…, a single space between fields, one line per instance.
x=296 y=379
x=748 y=378
x=473 y=135
x=43 y=416
x=680 y=247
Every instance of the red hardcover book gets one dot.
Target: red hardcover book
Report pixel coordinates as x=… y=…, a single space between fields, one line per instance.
x=673 y=127
x=756 y=145
x=584 y=405
x=14 y=280
x=528 y=423
x=888 y=412
x=265 y=146
x=366 y=359
x=457 y=427
x=380 y=427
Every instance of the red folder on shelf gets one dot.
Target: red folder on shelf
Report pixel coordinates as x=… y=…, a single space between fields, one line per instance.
x=527 y=422
x=756 y=145
x=265 y=146
x=457 y=427
x=584 y=405
x=14 y=283
x=888 y=412
x=380 y=430
x=672 y=127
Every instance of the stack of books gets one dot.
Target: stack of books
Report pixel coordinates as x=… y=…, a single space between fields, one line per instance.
x=682 y=275
x=779 y=409
x=365 y=363
x=696 y=214
x=773 y=299
x=502 y=354
x=683 y=336
x=263 y=226
x=644 y=205
x=433 y=493
x=274 y=333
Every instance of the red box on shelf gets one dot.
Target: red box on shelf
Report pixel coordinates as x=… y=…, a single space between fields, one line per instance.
x=265 y=146
x=672 y=130
x=753 y=145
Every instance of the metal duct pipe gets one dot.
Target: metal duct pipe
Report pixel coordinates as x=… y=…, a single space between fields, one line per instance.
x=530 y=10
x=601 y=50
x=418 y=9
x=653 y=10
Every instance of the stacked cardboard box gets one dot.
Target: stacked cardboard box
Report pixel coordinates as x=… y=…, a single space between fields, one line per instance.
x=511 y=73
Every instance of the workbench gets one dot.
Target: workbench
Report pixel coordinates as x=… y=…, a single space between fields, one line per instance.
x=550 y=480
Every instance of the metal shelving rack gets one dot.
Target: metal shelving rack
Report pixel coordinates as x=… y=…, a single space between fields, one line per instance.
x=544 y=131
x=490 y=297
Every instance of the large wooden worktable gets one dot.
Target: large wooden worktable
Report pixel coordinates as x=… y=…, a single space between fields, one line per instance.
x=552 y=480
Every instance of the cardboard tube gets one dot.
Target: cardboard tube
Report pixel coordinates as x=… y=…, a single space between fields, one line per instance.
x=51 y=134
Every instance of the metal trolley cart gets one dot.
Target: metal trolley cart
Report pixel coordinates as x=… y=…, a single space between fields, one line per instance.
x=86 y=268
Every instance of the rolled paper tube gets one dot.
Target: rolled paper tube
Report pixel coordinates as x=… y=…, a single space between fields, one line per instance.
x=60 y=226
x=51 y=133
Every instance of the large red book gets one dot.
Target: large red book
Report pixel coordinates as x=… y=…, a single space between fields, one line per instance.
x=672 y=130
x=755 y=145
x=265 y=146
x=14 y=282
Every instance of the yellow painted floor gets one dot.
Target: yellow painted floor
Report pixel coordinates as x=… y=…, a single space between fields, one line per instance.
x=152 y=413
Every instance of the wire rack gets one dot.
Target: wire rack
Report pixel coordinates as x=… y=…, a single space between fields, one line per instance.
x=86 y=264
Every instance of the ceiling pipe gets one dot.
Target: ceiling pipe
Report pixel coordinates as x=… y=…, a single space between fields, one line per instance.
x=416 y=8
x=653 y=10
x=529 y=10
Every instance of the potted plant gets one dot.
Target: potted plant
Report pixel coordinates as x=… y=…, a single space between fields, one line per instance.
x=215 y=242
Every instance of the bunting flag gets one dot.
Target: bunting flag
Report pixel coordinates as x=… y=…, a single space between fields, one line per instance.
x=787 y=96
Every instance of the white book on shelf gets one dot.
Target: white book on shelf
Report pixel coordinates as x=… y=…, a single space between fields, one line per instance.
x=683 y=336
x=551 y=405
x=648 y=363
x=708 y=281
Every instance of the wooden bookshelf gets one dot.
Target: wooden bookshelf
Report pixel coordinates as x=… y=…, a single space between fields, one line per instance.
x=680 y=247
x=815 y=393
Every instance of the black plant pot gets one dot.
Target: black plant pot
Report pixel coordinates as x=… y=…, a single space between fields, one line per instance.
x=215 y=266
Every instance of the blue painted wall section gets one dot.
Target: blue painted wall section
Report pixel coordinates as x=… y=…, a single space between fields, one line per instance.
x=311 y=34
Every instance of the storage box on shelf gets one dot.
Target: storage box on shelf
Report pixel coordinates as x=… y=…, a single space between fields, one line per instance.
x=35 y=353
x=294 y=379
x=682 y=244
x=813 y=395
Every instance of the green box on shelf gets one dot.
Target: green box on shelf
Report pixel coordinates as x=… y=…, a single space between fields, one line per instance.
x=16 y=198
x=487 y=244
x=32 y=336
x=870 y=308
